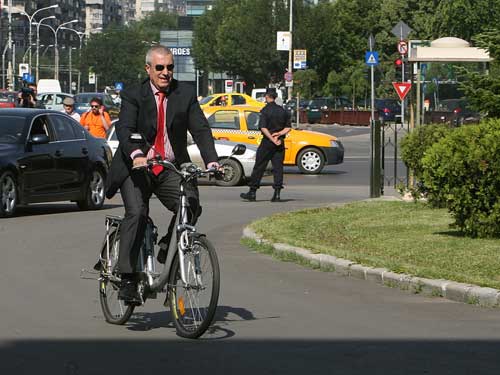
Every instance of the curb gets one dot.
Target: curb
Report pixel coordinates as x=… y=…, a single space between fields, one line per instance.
x=459 y=292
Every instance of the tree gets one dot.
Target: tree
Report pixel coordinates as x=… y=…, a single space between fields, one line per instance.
x=227 y=39
x=305 y=83
x=483 y=90
x=118 y=53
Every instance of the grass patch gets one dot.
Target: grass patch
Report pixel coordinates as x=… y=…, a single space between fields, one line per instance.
x=403 y=237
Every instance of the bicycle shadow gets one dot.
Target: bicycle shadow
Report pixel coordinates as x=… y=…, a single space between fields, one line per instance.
x=224 y=315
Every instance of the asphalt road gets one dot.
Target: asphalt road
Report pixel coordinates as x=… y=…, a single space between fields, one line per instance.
x=273 y=318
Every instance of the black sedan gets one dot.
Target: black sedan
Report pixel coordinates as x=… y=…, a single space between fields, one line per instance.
x=47 y=156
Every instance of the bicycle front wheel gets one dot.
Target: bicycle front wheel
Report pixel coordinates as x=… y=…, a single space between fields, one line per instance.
x=193 y=304
x=114 y=309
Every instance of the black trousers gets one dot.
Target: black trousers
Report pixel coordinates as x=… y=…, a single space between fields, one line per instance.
x=136 y=191
x=268 y=151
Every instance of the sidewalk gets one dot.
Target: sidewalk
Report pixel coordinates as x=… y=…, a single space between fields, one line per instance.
x=459 y=292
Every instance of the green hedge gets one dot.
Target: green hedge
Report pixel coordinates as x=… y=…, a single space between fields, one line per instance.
x=463 y=170
x=414 y=147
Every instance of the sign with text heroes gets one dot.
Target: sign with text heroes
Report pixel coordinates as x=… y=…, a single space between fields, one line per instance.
x=283 y=41
x=181 y=51
x=402 y=89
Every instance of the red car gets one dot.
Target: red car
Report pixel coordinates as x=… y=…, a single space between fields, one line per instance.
x=7 y=99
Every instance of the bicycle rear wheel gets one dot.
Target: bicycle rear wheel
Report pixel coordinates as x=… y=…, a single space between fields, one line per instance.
x=115 y=311
x=193 y=305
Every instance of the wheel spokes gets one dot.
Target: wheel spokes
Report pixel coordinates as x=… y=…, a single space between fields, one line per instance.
x=8 y=195
x=97 y=188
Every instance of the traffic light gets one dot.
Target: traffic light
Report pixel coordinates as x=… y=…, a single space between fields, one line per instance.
x=398 y=64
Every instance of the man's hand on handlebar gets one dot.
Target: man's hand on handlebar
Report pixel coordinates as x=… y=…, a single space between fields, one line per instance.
x=214 y=165
x=140 y=162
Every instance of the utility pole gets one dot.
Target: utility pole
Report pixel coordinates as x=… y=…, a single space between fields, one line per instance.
x=290 y=51
x=10 y=67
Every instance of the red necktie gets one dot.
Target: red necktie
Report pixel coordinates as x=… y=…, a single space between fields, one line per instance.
x=160 y=133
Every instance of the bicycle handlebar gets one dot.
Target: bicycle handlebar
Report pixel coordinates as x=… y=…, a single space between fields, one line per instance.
x=188 y=171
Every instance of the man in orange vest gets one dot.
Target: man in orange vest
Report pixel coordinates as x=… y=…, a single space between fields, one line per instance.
x=96 y=120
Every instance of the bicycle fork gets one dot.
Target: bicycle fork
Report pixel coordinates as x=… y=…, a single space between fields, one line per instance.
x=186 y=245
x=146 y=260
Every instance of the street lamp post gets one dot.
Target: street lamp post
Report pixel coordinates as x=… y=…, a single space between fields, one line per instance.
x=55 y=37
x=56 y=75
x=80 y=36
x=38 y=43
x=30 y=18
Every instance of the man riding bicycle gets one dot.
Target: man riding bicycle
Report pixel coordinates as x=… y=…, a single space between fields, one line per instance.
x=163 y=110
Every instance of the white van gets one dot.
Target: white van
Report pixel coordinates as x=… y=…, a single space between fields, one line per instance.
x=48 y=85
x=259 y=94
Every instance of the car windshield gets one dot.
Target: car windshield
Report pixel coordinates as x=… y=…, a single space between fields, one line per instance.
x=11 y=130
x=319 y=102
x=206 y=99
x=451 y=105
x=5 y=98
x=84 y=98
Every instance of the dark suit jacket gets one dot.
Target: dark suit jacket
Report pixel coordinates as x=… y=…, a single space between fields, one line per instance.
x=138 y=115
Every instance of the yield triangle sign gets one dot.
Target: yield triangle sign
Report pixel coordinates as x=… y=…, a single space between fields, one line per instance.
x=402 y=88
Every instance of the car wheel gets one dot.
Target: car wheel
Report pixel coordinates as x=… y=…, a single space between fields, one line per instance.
x=233 y=173
x=94 y=193
x=310 y=161
x=8 y=194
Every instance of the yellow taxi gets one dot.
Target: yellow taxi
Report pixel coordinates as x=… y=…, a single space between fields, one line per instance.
x=308 y=150
x=227 y=99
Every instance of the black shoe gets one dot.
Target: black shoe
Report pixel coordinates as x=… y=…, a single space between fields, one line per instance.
x=162 y=256
x=128 y=293
x=276 y=196
x=250 y=196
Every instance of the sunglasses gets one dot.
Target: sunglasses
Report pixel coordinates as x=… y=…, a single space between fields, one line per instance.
x=161 y=68
x=68 y=106
x=94 y=106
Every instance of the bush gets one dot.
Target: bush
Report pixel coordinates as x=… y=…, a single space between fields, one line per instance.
x=463 y=170
x=414 y=147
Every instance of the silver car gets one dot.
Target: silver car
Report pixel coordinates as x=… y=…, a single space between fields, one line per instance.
x=236 y=168
x=52 y=100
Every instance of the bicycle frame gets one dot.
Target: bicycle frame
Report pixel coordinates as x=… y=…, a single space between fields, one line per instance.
x=176 y=246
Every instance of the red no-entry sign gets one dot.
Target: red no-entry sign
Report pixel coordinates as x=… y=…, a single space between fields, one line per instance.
x=402 y=88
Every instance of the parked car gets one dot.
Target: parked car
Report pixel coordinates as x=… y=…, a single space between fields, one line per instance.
x=225 y=99
x=47 y=156
x=459 y=112
x=308 y=150
x=7 y=99
x=260 y=94
x=52 y=100
x=236 y=169
x=82 y=103
x=387 y=109
x=316 y=105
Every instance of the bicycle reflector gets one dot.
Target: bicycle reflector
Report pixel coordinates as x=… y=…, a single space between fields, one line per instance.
x=180 y=304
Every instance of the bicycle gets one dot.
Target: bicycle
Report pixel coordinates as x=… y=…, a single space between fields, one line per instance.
x=190 y=275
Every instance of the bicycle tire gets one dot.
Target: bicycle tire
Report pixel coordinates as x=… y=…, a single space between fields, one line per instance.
x=192 y=320
x=114 y=310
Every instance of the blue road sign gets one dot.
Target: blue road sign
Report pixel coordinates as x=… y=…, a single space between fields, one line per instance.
x=423 y=69
x=119 y=86
x=371 y=58
x=27 y=77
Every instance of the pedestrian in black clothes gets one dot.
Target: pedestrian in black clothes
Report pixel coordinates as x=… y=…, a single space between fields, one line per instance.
x=274 y=125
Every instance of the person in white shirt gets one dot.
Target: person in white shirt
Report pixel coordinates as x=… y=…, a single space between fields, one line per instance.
x=69 y=108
